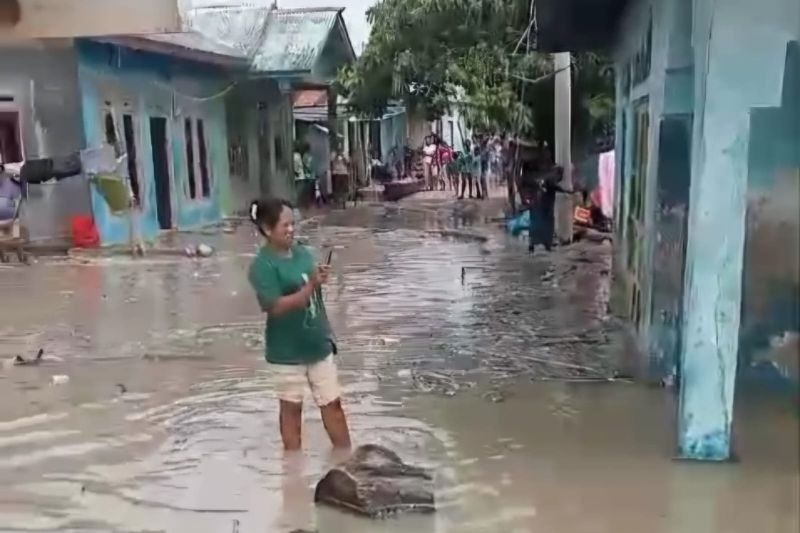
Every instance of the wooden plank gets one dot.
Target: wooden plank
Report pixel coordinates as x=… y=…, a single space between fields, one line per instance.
x=41 y=19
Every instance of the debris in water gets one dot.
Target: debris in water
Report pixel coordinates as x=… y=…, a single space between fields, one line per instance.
x=59 y=379
x=201 y=250
x=204 y=250
x=494 y=396
x=404 y=373
x=376 y=483
x=21 y=361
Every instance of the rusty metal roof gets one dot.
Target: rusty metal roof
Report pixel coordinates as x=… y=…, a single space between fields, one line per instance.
x=310 y=98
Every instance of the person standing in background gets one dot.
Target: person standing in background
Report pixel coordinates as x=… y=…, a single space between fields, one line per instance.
x=340 y=174
x=428 y=161
x=485 y=158
x=466 y=170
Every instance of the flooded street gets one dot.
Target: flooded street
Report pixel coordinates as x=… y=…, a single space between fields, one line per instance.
x=458 y=350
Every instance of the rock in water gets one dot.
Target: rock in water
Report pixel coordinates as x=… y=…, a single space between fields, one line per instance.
x=376 y=483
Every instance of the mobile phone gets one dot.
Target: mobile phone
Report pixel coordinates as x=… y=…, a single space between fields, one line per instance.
x=330 y=256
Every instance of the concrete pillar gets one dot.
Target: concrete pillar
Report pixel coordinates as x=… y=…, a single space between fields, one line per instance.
x=729 y=82
x=714 y=254
x=563 y=140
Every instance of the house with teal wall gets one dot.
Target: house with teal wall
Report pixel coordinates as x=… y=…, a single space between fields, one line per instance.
x=707 y=194
x=160 y=100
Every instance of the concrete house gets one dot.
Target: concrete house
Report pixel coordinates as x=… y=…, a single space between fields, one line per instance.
x=158 y=99
x=150 y=97
x=708 y=191
x=287 y=50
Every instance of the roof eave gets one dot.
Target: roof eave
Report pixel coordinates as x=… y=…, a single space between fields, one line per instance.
x=201 y=56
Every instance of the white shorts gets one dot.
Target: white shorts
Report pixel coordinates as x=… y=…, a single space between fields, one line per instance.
x=321 y=377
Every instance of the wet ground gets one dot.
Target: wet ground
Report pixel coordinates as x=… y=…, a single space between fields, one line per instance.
x=501 y=371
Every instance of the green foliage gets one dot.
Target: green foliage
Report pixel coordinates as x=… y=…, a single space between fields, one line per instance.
x=434 y=55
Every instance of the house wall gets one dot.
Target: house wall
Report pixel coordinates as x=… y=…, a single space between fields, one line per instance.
x=731 y=80
x=261 y=117
x=771 y=279
x=39 y=82
x=418 y=127
x=642 y=57
x=719 y=112
x=147 y=85
x=393 y=138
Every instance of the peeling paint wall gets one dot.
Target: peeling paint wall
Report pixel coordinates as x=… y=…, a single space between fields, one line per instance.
x=147 y=85
x=742 y=160
x=771 y=300
x=730 y=81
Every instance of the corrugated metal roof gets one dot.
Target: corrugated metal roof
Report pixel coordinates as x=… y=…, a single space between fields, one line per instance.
x=189 y=45
x=275 y=40
x=294 y=39
x=239 y=27
x=195 y=41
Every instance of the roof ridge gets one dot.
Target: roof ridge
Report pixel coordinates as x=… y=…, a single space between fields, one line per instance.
x=299 y=10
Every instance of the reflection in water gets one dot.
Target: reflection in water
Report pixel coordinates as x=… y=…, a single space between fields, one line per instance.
x=501 y=382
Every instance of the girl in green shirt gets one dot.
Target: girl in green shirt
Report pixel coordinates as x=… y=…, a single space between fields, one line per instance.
x=287 y=280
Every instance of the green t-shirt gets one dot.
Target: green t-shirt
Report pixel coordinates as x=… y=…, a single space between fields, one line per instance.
x=297 y=337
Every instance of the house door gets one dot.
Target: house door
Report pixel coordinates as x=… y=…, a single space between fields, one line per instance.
x=10 y=151
x=161 y=176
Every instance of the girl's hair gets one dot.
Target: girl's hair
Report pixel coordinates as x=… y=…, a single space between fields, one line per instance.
x=267 y=212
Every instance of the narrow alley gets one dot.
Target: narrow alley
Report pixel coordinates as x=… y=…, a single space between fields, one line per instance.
x=152 y=409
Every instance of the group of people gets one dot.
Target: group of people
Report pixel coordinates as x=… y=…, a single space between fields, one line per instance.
x=467 y=172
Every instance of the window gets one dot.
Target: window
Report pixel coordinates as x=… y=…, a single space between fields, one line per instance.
x=189 y=141
x=110 y=129
x=203 y=153
x=130 y=147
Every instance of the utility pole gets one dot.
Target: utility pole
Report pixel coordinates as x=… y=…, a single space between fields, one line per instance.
x=563 y=137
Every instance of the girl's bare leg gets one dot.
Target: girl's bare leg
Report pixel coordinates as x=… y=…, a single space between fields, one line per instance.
x=291 y=422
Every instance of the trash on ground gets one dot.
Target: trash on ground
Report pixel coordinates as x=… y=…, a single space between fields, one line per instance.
x=59 y=379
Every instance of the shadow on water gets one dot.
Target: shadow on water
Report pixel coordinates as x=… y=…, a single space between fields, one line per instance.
x=458 y=351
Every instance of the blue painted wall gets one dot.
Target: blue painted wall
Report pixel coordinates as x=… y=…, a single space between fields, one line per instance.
x=744 y=143
x=146 y=84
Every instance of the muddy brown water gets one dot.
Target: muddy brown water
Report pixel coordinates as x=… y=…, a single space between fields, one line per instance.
x=493 y=368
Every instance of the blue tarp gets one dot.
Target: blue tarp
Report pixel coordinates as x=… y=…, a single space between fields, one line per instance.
x=520 y=223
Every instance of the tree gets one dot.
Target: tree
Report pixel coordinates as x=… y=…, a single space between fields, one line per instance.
x=437 y=54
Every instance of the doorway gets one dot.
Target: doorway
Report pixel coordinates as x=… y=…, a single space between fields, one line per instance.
x=158 y=144
x=10 y=150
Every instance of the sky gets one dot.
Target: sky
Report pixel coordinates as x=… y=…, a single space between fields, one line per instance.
x=354 y=15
